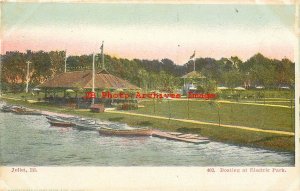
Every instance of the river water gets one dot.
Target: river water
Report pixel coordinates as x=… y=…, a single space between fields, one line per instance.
x=30 y=141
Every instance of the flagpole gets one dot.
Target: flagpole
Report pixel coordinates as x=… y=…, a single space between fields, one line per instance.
x=194 y=60
x=102 y=47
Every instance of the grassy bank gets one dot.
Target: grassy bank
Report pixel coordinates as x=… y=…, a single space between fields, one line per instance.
x=263 y=117
x=227 y=135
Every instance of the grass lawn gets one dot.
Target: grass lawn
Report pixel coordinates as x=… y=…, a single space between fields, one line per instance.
x=254 y=116
x=271 y=118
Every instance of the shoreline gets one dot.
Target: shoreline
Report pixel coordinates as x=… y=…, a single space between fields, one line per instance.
x=282 y=143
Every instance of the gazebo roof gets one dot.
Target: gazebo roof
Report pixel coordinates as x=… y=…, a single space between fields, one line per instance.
x=83 y=79
x=194 y=74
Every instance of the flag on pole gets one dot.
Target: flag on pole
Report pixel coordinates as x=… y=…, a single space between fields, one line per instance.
x=193 y=55
x=101 y=48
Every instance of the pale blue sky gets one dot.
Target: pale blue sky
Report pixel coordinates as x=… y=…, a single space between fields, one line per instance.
x=33 y=14
x=151 y=31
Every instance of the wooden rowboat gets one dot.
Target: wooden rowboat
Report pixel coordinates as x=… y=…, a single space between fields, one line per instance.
x=24 y=111
x=125 y=132
x=61 y=123
x=6 y=108
x=86 y=126
x=53 y=118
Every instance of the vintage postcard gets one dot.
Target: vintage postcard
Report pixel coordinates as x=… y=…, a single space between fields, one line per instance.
x=163 y=95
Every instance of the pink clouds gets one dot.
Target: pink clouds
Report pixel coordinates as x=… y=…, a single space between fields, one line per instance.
x=151 y=43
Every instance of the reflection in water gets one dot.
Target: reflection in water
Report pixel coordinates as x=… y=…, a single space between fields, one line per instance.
x=30 y=140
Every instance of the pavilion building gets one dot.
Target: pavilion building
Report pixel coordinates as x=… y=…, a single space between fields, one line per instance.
x=80 y=82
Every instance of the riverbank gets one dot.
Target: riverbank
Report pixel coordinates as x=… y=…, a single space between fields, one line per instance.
x=29 y=140
x=278 y=142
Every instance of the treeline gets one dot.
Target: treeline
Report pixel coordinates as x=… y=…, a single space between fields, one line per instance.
x=44 y=65
x=161 y=75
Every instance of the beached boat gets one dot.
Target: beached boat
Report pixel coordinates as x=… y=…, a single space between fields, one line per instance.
x=6 y=108
x=125 y=132
x=26 y=112
x=78 y=123
x=85 y=126
x=11 y=108
x=54 y=118
x=23 y=111
x=61 y=123
x=83 y=121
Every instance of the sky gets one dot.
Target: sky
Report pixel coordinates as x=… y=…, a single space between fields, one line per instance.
x=150 y=31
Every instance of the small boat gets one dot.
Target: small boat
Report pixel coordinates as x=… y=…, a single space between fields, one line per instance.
x=6 y=108
x=87 y=126
x=24 y=111
x=61 y=123
x=84 y=121
x=53 y=118
x=28 y=112
x=125 y=132
x=17 y=110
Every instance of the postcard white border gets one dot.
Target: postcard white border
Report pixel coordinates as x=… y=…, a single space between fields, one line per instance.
x=162 y=178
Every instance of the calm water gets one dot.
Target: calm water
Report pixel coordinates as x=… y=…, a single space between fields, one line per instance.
x=29 y=140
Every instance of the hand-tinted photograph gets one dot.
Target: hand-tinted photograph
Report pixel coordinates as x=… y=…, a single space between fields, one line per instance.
x=136 y=84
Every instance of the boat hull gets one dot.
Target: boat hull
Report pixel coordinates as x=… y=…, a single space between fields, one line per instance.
x=89 y=127
x=61 y=124
x=24 y=111
x=28 y=113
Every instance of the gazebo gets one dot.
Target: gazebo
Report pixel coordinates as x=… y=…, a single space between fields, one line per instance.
x=191 y=80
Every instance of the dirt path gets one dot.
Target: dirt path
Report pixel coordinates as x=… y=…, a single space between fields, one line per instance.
x=207 y=123
x=257 y=103
x=244 y=103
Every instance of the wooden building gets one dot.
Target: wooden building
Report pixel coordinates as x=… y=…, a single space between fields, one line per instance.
x=80 y=82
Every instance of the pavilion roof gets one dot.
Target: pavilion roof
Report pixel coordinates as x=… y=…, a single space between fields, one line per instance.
x=83 y=79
